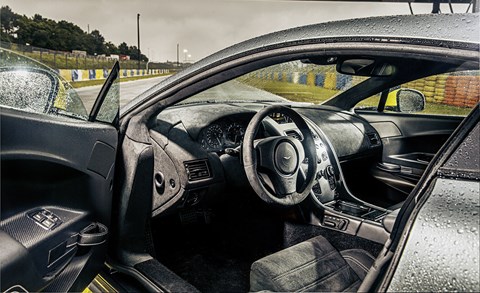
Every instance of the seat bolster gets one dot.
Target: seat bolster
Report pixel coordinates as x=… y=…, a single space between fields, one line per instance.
x=359 y=260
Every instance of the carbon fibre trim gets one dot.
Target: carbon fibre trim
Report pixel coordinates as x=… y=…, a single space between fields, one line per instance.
x=27 y=232
x=65 y=280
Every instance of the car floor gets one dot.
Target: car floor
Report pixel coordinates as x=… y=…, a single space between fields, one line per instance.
x=216 y=257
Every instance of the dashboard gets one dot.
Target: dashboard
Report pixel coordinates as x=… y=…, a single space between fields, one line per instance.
x=191 y=142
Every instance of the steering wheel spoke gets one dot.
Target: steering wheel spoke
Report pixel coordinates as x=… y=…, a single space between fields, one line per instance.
x=281 y=186
x=273 y=164
x=286 y=185
x=264 y=149
x=300 y=148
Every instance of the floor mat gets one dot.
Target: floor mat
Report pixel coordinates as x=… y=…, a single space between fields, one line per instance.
x=217 y=257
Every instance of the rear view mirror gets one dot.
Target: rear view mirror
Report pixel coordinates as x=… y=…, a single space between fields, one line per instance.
x=407 y=100
x=365 y=67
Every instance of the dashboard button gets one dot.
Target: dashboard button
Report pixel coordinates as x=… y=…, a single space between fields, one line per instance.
x=45 y=218
x=324 y=156
x=38 y=216
x=48 y=223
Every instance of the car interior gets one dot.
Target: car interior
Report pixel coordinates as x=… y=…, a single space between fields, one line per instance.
x=223 y=186
x=230 y=214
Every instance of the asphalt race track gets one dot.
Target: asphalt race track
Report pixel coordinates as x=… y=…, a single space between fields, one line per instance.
x=234 y=91
x=128 y=90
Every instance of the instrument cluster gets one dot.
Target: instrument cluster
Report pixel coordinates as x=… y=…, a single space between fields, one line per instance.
x=221 y=135
x=228 y=132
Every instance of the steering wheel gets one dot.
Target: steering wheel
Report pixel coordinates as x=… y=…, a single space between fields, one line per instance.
x=273 y=165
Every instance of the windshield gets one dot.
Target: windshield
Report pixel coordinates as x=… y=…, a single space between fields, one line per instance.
x=291 y=81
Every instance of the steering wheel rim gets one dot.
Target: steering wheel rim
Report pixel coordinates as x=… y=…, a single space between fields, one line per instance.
x=281 y=157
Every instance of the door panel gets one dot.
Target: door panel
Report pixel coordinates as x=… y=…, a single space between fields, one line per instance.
x=56 y=190
x=409 y=143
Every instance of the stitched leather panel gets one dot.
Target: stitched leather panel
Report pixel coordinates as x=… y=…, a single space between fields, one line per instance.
x=313 y=265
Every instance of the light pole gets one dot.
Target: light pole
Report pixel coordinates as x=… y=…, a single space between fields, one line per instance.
x=178 y=60
x=138 y=39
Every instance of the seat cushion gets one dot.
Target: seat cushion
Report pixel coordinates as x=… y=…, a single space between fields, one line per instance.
x=359 y=260
x=313 y=265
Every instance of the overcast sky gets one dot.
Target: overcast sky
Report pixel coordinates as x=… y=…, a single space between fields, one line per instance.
x=200 y=26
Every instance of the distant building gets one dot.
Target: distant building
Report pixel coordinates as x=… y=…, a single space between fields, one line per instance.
x=124 y=57
x=114 y=57
x=79 y=53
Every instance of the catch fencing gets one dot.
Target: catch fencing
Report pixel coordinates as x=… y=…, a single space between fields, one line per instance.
x=78 y=60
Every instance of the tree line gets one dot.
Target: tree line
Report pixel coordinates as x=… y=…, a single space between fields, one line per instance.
x=62 y=35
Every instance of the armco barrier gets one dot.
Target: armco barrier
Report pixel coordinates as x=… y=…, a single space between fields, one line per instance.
x=92 y=74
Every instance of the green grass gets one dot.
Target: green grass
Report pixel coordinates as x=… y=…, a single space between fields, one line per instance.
x=291 y=91
x=84 y=83
x=314 y=94
x=433 y=108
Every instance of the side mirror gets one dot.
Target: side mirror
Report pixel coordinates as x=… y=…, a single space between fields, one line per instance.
x=27 y=88
x=406 y=100
x=32 y=86
x=38 y=90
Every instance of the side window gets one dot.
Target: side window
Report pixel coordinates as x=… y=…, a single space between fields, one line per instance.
x=444 y=94
x=370 y=103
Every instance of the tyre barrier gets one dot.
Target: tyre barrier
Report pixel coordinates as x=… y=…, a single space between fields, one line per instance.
x=453 y=90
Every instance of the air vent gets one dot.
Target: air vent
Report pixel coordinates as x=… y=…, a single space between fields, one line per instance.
x=197 y=170
x=294 y=134
x=373 y=138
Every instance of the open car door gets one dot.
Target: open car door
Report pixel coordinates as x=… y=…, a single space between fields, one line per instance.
x=57 y=168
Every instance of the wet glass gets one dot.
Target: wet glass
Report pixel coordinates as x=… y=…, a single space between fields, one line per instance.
x=28 y=85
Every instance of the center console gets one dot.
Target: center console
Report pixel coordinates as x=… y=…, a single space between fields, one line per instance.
x=356 y=219
x=358 y=210
x=343 y=212
x=334 y=206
